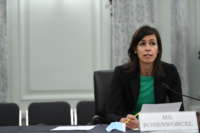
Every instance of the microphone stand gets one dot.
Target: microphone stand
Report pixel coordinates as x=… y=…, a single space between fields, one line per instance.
x=167 y=87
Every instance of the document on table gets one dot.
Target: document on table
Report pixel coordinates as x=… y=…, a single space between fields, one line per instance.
x=164 y=107
x=73 y=128
x=175 y=131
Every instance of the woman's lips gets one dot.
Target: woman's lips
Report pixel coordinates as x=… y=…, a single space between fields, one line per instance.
x=148 y=55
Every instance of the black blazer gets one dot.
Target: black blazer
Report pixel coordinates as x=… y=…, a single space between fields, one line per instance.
x=125 y=90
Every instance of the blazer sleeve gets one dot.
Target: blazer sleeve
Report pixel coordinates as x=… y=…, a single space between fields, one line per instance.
x=115 y=104
x=176 y=86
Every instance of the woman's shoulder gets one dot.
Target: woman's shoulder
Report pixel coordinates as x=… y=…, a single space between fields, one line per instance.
x=123 y=67
x=168 y=67
x=125 y=70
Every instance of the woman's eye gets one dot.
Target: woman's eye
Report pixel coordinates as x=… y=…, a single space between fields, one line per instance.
x=142 y=43
x=152 y=43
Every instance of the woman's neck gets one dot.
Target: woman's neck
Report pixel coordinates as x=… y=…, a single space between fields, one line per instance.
x=146 y=69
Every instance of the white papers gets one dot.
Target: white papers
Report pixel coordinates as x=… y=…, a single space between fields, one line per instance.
x=73 y=128
x=165 y=107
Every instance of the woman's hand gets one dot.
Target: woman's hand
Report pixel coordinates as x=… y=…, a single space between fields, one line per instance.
x=131 y=121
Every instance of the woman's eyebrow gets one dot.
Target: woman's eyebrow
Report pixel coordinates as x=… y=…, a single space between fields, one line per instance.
x=152 y=39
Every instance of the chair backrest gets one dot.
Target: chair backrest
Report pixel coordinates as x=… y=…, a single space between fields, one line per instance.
x=102 y=83
x=49 y=113
x=9 y=114
x=85 y=112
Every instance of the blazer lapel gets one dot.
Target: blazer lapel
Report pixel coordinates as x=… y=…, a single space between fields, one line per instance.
x=159 y=91
x=156 y=89
x=134 y=85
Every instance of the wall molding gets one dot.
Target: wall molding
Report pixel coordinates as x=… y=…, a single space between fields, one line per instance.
x=20 y=87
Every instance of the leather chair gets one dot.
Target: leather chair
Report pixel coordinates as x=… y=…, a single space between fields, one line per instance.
x=49 y=113
x=102 y=83
x=85 y=112
x=9 y=114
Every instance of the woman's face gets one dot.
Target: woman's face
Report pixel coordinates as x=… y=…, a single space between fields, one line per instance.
x=147 y=49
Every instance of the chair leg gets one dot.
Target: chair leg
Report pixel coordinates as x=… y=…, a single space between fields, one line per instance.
x=20 y=118
x=72 y=114
x=27 y=120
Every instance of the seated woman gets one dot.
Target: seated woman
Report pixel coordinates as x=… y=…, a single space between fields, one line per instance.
x=145 y=79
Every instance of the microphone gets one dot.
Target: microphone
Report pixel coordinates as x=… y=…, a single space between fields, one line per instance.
x=175 y=92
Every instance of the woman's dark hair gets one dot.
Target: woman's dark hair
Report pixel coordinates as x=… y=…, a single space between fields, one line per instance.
x=138 y=36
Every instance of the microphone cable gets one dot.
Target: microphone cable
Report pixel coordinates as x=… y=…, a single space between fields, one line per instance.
x=167 y=87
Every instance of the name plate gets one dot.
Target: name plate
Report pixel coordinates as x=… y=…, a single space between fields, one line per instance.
x=168 y=121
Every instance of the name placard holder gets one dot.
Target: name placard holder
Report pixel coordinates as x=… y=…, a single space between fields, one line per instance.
x=165 y=121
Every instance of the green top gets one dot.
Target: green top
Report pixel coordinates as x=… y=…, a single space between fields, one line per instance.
x=146 y=93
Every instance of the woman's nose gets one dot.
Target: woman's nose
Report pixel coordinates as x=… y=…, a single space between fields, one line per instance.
x=147 y=47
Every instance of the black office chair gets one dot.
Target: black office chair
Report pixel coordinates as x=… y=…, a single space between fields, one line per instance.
x=9 y=114
x=85 y=112
x=49 y=113
x=102 y=83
